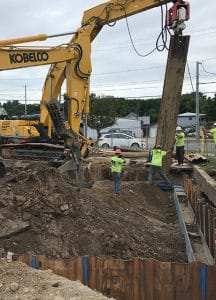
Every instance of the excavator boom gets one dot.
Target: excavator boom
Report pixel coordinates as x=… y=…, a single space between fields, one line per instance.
x=73 y=63
x=115 y=10
x=92 y=22
x=22 y=57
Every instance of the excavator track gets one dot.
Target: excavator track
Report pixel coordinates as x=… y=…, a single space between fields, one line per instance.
x=49 y=152
x=34 y=151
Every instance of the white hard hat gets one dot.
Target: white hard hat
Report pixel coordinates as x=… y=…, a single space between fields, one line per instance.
x=178 y=128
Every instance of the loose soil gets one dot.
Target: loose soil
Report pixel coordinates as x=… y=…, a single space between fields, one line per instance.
x=210 y=167
x=41 y=211
x=20 y=282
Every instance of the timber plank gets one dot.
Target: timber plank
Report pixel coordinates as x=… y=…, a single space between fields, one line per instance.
x=147 y=279
x=214 y=239
x=207 y=183
x=170 y=102
x=136 y=278
x=162 y=281
x=186 y=281
x=211 y=216
x=210 y=282
x=92 y=271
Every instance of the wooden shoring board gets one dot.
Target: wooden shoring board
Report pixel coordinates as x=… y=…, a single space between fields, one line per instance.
x=185 y=168
x=211 y=217
x=206 y=183
x=214 y=239
x=205 y=220
x=195 y=157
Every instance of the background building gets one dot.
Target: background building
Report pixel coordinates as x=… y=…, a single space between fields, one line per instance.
x=3 y=113
x=188 y=119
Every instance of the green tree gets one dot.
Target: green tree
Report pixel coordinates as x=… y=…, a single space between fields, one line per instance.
x=102 y=112
x=208 y=107
x=188 y=103
x=15 y=108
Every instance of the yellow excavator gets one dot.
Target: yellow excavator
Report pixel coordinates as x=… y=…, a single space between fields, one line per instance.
x=72 y=62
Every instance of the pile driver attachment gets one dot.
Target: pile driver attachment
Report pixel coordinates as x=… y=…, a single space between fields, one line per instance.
x=177 y=15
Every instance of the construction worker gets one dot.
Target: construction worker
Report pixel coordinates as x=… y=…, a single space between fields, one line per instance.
x=156 y=161
x=212 y=131
x=116 y=170
x=179 y=141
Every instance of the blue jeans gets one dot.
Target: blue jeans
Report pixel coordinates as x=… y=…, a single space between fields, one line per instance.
x=117 y=182
x=160 y=171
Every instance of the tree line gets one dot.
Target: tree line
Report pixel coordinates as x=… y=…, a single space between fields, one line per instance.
x=105 y=110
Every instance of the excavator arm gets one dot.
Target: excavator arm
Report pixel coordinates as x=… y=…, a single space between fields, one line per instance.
x=22 y=57
x=78 y=84
x=115 y=10
x=77 y=68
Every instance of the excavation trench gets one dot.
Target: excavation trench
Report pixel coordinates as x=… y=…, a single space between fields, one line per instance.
x=41 y=211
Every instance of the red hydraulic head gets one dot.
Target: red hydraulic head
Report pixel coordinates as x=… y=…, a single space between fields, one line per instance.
x=177 y=15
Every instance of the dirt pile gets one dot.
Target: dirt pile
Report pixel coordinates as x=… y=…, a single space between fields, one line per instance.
x=19 y=282
x=40 y=211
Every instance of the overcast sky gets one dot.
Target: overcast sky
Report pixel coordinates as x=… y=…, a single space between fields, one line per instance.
x=117 y=69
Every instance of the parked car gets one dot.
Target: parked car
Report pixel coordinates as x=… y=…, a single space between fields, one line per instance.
x=191 y=134
x=121 y=140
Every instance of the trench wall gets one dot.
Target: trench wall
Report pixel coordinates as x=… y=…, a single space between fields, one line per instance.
x=204 y=210
x=136 y=279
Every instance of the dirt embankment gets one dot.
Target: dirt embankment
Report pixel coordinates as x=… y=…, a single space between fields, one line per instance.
x=20 y=282
x=40 y=211
x=210 y=167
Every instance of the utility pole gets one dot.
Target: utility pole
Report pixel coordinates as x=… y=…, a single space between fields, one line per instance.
x=197 y=104
x=25 y=99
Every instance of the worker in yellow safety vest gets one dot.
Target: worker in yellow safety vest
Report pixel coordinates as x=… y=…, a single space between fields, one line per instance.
x=180 y=141
x=156 y=164
x=212 y=131
x=117 y=162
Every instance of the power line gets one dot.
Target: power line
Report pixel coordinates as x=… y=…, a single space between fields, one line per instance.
x=122 y=86
x=190 y=77
x=147 y=37
x=210 y=82
x=207 y=71
x=110 y=87
x=207 y=59
x=32 y=78
x=208 y=92
x=108 y=73
x=20 y=100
